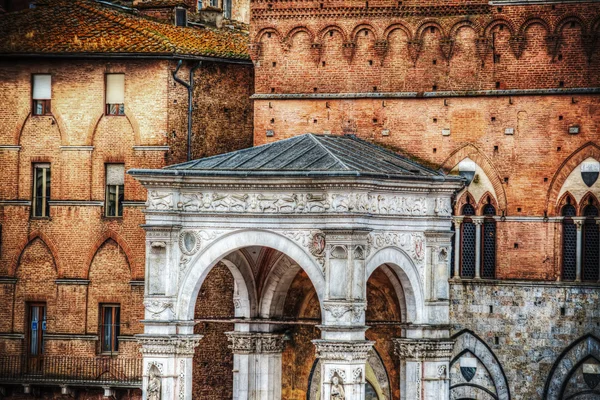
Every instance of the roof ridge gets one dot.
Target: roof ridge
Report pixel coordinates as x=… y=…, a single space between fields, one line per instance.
x=150 y=34
x=318 y=142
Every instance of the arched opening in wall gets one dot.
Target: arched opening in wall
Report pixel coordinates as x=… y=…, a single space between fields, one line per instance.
x=590 y=260
x=303 y=311
x=213 y=360
x=385 y=312
x=488 y=250
x=467 y=245
x=569 y=242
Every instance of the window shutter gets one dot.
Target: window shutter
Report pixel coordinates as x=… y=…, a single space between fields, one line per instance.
x=115 y=174
x=42 y=87
x=115 y=89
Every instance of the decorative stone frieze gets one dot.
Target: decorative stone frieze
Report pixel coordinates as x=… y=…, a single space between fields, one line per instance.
x=343 y=350
x=289 y=203
x=255 y=342
x=423 y=349
x=411 y=243
x=168 y=345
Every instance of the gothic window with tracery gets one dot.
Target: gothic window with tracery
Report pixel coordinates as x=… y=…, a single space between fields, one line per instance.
x=569 y=243
x=467 y=251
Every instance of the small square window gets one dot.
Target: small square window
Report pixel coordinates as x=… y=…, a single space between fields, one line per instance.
x=110 y=325
x=41 y=94
x=115 y=94
x=115 y=188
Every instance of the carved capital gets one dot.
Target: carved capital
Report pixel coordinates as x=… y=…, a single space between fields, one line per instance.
x=343 y=350
x=255 y=342
x=424 y=349
x=182 y=345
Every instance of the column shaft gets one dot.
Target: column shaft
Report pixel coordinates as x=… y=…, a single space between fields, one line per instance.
x=579 y=251
x=457 y=223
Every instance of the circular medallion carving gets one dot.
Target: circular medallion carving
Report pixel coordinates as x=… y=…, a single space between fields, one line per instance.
x=317 y=245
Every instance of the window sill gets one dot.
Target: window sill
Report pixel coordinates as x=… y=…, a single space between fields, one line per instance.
x=40 y=218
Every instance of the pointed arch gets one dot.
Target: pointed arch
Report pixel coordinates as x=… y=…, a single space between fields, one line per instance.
x=93 y=129
x=467 y=340
x=60 y=126
x=567 y=362
x=566 y=198
x=486 y=198
x=587 y=199
x=588 y=150
x=471 y=151
x=499 y=21
x=106 y=236
x=329 y=28
x=465 y=198
x=47 y=241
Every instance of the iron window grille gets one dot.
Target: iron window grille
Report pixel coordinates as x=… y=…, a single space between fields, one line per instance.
x=569 y=244
x=467 y=253
x=590 y=244
x=489 y=243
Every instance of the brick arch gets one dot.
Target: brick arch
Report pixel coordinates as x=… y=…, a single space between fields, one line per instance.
x=483 y=202
x=589 y=149
x=462 y=200
x=534 y=21
x=106 y=236
x=397 y=26
x=297 y=29
x=93 y=129
x=581 y=349
x=585 y=201
x=49 y=243
x=472 y=152
x=335 y=28
x=428 y=24
x=60 y=126
x=499 y=21
x=263 y=31
x=563 y=202
x=465 y=23
x=568 y=19
x=361 y=27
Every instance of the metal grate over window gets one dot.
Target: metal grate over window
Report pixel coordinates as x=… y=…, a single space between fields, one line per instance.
x=467 y=252
x=590 y=244
x=569 y=245
x=489 y=243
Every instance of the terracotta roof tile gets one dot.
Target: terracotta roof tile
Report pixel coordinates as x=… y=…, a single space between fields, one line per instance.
x=85 y=26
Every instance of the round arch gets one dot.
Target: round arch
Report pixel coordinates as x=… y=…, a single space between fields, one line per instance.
x=406 y=272
x=244 y=295
x=223 y=246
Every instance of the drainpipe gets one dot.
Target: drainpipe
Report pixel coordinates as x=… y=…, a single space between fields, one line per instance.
x=190 y=88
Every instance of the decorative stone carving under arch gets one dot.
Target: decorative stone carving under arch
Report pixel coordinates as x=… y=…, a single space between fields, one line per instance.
x=468 y=343
x=567 y=364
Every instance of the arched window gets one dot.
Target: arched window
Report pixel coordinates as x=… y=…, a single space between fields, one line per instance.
x=489 y=242
x=569 y=243
x=467 y=248
x=590 y=243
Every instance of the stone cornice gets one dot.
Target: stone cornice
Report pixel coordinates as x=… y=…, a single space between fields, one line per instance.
x=423 y=349
x=168 y=344
x=343 y=350
x=255 y=342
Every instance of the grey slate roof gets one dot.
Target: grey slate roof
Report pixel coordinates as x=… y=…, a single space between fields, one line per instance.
x=308 y=155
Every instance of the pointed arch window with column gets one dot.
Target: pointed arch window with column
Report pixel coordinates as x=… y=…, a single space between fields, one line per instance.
x=569 y=242
x=591 y=243
x=468 y=245
x=489 y=241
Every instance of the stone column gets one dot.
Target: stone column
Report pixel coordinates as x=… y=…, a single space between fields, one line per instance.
x=424 y=365
x=256 y=365
x=167 y=363
x=478 y=224
x=343 y=367
x=579 y=250
x=457 y=222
